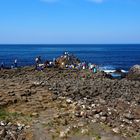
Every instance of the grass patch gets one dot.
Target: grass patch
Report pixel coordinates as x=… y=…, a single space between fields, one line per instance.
x=3 y=114
x=138 y=137
x=14 y=116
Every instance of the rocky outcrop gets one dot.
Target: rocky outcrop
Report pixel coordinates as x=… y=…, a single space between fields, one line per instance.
x=91 y=96
x=134 y=73
x=67 y=59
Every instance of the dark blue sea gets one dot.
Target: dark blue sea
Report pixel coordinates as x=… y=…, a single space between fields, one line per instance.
x=106 y=56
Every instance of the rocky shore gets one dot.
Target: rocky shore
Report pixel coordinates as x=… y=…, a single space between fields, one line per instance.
x=68 y=104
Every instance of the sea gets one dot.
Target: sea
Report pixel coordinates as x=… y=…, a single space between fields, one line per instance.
x=107 y=57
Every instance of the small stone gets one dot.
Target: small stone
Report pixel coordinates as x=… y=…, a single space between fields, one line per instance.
x=83 y=106
x=109 y=113
x=2 y=133
x=102 y=101
x=14 y=128
x=94 y=121
x=80 y=124
x=126 y=121
x=93 y=105
x=129 y=116
x=97 y=116
x=20 y=128
x=9 y=124
x=69 y=101
x=82 y=113
x=116 y=130
x=84 y=131
x=137 y=121
x=34 y=114
x=62 y=134
x=27 y=127
x=103 y=118
x=2 y=123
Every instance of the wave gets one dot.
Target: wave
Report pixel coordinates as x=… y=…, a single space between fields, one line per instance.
x=111 y=69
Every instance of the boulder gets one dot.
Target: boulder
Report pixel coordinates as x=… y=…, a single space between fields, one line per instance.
x=134 y=73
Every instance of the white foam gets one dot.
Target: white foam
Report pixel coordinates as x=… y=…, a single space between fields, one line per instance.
x=124 y=71
x=109 y=71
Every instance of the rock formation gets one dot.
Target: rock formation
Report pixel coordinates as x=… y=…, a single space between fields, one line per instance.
x=134 y=73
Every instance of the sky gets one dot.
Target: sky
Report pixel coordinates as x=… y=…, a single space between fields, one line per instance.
x=69 y=21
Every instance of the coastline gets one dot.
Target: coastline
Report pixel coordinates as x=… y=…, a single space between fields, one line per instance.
x=106 y=56
x=74 y=99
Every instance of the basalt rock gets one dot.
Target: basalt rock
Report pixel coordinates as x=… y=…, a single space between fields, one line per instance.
x=134 y=73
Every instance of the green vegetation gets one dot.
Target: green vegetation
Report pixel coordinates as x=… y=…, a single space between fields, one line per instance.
x=14 y=116
x=138 y=137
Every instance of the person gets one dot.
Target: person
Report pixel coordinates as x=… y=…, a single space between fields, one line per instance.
x=84 y=65
x=94 y=69
x=46 y=63
x=12 y=66
x=39 y=59
x=2 y=65
x=36 y=62
x=15 y=63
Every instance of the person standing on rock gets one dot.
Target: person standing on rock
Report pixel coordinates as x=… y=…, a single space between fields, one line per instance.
x=15 y=63
x=94 y=69
x=37 y=61
x=2 y=66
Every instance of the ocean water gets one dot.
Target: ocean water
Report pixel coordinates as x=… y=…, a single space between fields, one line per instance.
x=106 y=56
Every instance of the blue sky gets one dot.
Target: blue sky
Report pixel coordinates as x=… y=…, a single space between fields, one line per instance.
x=69 y=21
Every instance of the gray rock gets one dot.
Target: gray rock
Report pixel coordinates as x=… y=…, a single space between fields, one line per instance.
x=134 y=73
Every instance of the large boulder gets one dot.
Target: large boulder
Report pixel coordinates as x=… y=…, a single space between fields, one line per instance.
x=134 y=73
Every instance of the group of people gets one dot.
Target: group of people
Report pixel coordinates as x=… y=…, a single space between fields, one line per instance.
x=66 y=61
x=39 y=65
x=14 y=65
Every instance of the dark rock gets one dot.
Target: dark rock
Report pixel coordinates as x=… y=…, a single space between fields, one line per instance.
x=2 y=133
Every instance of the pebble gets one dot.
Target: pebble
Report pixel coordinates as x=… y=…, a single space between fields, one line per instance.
x=34 y=114
x=84 y=131
x=62 y=134
x=116 y=130
x=2 y=123
x=69 y=101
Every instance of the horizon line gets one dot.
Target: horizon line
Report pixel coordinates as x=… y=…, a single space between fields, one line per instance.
x=69 y=44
